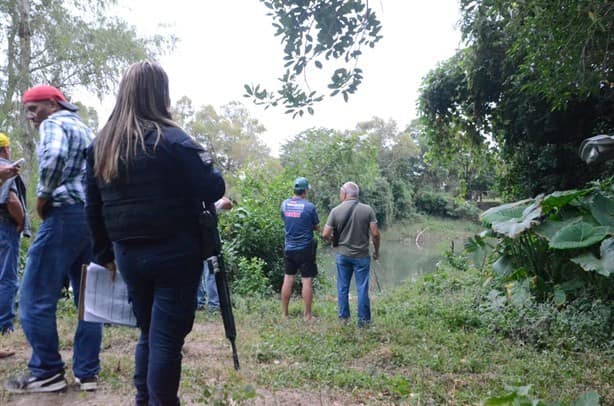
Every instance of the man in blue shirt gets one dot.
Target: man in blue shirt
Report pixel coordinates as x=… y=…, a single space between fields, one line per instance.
x=61 y=246
x=301 y=220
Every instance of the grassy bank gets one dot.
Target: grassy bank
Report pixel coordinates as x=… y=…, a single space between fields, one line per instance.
x=426 y=346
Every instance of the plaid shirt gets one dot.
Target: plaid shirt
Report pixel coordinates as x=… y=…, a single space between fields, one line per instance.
x=61 y=158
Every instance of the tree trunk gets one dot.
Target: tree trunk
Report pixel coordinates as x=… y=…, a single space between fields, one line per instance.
x=23 y=81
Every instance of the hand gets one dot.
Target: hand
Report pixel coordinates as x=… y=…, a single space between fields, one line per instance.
x=8 y=171
x=375 y=255
x=41 y=205
x=112 y=268
x=223 y=204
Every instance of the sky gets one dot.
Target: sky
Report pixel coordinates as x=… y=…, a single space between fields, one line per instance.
x=225 y=44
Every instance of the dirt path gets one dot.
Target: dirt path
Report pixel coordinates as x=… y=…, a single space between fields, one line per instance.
x=206 y=361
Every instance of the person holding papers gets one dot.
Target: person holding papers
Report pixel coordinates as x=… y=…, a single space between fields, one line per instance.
x=13 y=221
x=147 y=181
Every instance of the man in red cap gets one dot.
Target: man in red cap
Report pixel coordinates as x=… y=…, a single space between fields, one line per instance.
x=61 y=246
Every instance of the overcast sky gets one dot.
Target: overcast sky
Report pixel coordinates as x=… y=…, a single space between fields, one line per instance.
x=224 y=44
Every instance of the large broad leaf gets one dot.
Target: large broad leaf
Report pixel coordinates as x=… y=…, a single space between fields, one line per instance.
x=579 y=234
x=588 y=262
x=553 y=224
x=602 y=209
x=560 y=199
x=590 y=398
x=505 y=212
x=514 y=227
x=603 y=265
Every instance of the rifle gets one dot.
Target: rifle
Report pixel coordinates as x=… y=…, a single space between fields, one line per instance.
x=218 y=267
x=212 y=247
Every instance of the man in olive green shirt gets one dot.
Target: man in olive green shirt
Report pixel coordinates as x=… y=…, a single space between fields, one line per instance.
x=355 y=225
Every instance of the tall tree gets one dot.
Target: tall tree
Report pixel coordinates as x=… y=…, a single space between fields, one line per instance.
x=535 y=78
x=232 y=135
x=397 y=154
x=328 y=158
x=68 y=44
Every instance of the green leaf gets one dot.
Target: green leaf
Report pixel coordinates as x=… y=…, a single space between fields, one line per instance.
x=506 y=399
x=514 y=227
x=604 y=265
x=559 y=296
x=522 y=390
x=590 y=398
x=505 y=212
x=578 y=235
x=572 y=285
x=588 y=262
x=560 y=199
x=520 y=293
x=503 y=266
x=552 y=225
x=603 y=209
x=607 y=256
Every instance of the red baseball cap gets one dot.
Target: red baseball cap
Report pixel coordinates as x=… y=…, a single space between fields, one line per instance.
x=46 y=92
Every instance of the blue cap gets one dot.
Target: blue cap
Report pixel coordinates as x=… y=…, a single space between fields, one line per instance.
x=301 y=184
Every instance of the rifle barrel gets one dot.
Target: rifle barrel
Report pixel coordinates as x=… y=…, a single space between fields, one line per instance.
x=219 y=268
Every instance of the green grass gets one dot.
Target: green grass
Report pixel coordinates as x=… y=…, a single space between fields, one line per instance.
x=427 y=345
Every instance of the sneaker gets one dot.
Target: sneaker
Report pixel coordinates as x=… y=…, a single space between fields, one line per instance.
x=32 y=384
x=87 y=384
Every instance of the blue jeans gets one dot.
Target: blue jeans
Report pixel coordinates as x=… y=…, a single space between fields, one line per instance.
x=207 y=290
x=9 y=258
x=346 y=266
x=62 y=245
x=162 y=278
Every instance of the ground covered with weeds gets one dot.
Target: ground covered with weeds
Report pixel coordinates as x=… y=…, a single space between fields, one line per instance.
x=427 y=346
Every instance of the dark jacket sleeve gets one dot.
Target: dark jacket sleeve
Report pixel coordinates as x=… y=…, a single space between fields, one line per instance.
x=103 y=248
x=202 y=179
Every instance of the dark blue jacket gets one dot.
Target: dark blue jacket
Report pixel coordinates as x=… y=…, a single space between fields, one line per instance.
x=159 y=194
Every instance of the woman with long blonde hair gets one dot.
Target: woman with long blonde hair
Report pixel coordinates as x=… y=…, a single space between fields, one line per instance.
x=146 y=183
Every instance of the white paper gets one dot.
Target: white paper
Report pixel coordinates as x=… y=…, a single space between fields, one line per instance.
x=106 y=300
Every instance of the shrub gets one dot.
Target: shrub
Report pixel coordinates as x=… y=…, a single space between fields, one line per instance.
x=581 y=324
x=250 y=280
x=443 y=205
x=431 y=203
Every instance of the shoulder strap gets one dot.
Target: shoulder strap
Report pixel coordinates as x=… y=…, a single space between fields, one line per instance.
x=347 y=217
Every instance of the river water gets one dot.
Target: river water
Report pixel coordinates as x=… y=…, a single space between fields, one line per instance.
x=401 y=260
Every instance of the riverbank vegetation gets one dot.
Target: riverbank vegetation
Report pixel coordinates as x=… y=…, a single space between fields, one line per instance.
x=435 y=339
